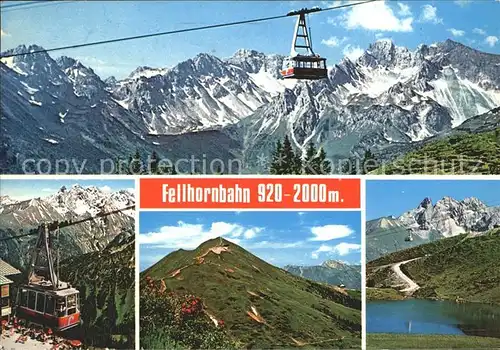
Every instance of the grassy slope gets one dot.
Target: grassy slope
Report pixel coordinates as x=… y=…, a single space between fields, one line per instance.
x=469 y=269
x=106 y=282
x=414 y=341
x=458 y=154
x=457 y=266
x=383 y=294
x=292 y=306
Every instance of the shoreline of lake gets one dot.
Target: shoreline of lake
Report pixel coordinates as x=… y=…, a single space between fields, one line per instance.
x=427 y=317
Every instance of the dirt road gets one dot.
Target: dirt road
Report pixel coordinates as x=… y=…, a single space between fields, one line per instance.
x=412 y=286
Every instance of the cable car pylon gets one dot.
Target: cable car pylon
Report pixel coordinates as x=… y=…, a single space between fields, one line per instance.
x=44 y=299
x=308 y=66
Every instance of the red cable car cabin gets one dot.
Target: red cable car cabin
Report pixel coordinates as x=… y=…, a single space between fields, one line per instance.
x=310 y=65
x=46 y=300
x=56 y=309
x=304 y=67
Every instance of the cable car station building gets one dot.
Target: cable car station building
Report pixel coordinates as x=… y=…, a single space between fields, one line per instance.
x=6 y=270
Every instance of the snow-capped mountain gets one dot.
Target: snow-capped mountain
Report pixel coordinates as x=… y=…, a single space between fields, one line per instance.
x=6 y=200
x=428 y=222
x=89 y=201
x=450 y=217
x=390 y=95
x=331 y=271
x=67 y=204
x=200 y=93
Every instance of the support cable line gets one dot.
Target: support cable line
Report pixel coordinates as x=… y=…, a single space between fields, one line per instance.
x=186 y=30
x=34 y=4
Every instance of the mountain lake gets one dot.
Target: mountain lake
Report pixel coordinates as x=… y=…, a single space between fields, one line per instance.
x=419 y=316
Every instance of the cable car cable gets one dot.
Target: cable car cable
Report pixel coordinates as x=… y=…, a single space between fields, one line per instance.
x=143 y=36
x=25 y=3
x=34 y=4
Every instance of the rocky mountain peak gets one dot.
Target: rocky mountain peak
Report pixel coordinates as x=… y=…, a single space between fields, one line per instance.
x=426 y=203
x=6 y=200
x=474 y=203
x=334 y=264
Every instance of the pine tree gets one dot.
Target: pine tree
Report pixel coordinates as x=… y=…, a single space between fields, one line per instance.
x=218 y=170
x=289 y=160
x=323 y=165
x=153 y=163
x=136 y=164
x=308 y=162
x=276 y=164
x=350 y=167
x=117 y=166
x=369 y=163
x=298 y=164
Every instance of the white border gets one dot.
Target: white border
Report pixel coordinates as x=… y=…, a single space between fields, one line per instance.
x=363 y=263
x=362 y=209
x=137 y=267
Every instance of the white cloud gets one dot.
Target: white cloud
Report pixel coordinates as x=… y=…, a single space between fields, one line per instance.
x=379 y=35
x=429 y=14
x=479 y=31
x=189 y=236
x=333 y=3
x=462 y=2
x=341 y=249
x=106 y=189
x=491 y=40
x=300 y=213
x=352 y=52
x=345 y=248
x=333 y=41
x=375 y=16
x=456 y=32
x=329 y=232
x=252 y=232
x=3 y=33
x=404 y=10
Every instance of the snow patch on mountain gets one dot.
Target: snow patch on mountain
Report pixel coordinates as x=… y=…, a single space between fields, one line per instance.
x=89 y=201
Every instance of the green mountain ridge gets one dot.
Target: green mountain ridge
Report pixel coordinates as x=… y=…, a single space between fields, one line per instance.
x=262 y=306
x=463 y=267
x=471 y=148
x=106 y=281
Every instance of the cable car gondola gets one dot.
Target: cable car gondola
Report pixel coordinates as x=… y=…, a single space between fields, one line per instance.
x=409 y=238
x=309 y=66
x=45 y=299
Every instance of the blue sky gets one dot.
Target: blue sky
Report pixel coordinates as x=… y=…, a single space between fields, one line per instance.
x=280 y=238
x=335 y=33
x=28 y=189
x=394 y=197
